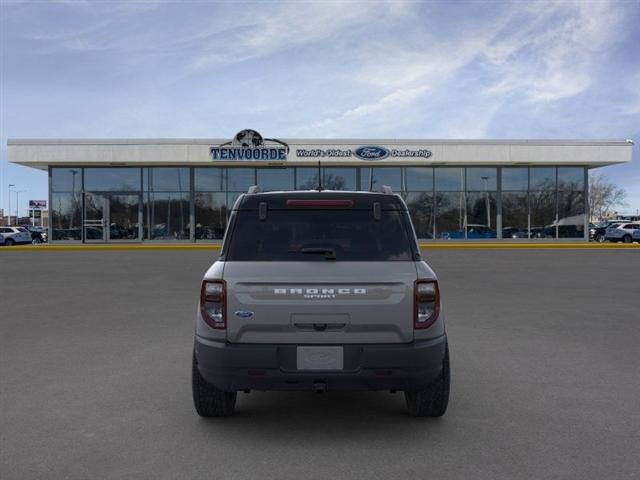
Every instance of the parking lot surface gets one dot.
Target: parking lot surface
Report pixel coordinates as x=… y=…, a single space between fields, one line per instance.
x=95 y=360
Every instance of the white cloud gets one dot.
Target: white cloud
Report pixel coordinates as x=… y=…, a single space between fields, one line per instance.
x=553 y=56
x=292 y=24
x=539 y=52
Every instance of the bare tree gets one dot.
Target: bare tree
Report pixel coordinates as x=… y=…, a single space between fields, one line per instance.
x=604 y=196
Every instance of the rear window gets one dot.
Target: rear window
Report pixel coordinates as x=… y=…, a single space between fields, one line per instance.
x=22 y=229
x=320 y=235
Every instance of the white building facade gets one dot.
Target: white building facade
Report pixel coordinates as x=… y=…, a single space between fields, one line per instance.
x=133 y=190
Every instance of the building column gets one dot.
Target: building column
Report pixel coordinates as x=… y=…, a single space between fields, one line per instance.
x=499 y=204
x=587 y=206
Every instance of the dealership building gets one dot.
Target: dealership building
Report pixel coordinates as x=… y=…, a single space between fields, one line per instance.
x=133 y=190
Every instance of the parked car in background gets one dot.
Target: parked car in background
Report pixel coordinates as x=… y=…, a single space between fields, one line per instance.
x=15 y=235
x=636 y=236
x=543 y=232
x=599 y=231
x=1 y=239
x=38 y=234
x=570 y=231
x=514 y=232
x=622 y=233
x=67 y=234
x=473 y=231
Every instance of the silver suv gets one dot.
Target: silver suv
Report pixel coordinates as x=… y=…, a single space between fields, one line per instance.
x=320 y=290
x=622 y=232
x=15 y=235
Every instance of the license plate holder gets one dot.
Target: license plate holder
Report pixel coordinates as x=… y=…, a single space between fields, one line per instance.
x=320 y=358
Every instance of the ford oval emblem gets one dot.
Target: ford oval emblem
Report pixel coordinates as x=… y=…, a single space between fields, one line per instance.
x=244 y=314
x=371 y=153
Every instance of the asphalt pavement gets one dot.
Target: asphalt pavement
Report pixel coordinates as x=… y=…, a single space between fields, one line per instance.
x=95 y=360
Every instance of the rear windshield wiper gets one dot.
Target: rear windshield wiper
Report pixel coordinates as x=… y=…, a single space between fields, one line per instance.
x=329 y=253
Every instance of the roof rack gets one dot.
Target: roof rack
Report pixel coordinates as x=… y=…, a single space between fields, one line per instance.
x=386 y=189
x=254 y=189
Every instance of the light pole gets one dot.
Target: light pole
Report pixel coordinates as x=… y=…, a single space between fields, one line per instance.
x=9 y=214
x=18 y=192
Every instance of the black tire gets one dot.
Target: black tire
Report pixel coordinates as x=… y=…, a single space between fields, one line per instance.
x=9 y=242
x=626 y=239
x=433 y=400
x=599 y=238
x=208 y=400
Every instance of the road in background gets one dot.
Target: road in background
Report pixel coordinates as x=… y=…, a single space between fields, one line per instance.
x=95 y=358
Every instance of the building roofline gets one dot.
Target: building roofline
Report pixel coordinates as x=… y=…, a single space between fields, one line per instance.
x=316 y=141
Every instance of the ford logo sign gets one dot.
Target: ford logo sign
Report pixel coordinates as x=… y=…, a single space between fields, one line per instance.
x=244 y=314
x=371 y=153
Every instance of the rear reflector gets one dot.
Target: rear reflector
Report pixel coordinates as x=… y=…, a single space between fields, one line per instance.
x=320 y=203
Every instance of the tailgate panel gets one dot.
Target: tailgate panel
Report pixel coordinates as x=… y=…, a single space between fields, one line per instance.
x=330 y=303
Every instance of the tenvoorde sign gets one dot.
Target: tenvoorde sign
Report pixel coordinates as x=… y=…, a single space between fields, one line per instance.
x=249 y=145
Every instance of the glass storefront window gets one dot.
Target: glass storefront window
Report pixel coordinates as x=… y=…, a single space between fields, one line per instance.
x=463 y=205
x=420 y=205
x=209 y=179
x=167 y=216
x=112 y=179
x=571 y=211
x=419 y=178
x=124 y=217
x=66 y=217
x=543 y=214
x=66 y=179
x=306 y=178
x=339 y=178
x=211 y=215
x=481 y=215
x=449 y=179
x=515 y=215
x=166 y=179
x=542 y=178
x=231 y=199
x=571 y=178
x=333 y=178
x=450 y=219
x=482 y=179
x=375 y=177
x=271 y=179
x=240 y=179
x=515 y=179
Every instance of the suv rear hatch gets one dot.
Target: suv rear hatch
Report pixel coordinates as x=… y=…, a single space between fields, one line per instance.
x=336 y=269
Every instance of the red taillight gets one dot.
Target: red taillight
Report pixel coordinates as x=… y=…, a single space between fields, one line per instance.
x=213 y=296
x=426 y=304
x=320 y=203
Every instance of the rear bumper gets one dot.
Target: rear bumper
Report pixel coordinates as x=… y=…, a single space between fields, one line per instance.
x=233 y=367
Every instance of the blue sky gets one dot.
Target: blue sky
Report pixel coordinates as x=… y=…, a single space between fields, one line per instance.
x=319 y=69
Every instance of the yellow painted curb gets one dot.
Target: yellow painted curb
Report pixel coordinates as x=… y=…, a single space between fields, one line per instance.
x=426 y=246
x=529 y=246
x=48 y=248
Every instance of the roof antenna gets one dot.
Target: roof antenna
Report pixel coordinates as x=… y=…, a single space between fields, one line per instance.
x=320 y=186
